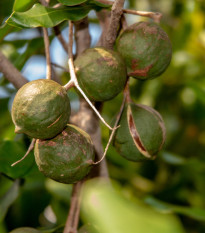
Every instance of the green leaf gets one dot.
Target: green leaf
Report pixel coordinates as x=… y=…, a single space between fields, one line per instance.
x=108 y=210
x=23 y=5
x=5 y=30
x=99 y=4
x=7 y=199
x=40 y=16
x=10 y=152
x=72 y=2
x=192 y=212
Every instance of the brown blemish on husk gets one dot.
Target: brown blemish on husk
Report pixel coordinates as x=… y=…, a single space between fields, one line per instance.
x=55 y=121
x=51 y=143
x=64 y=133
x=135 y=63
x=109 y=60
x=135 y=135
x=140 y=72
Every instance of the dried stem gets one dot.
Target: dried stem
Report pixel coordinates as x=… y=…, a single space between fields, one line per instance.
x=74 y=80
x=27 y=152
x=10 y=72
x=73 y=215
x=127 y=92
x=156 y=16
x=47 y=51
x=60 y=38
x=113 y=131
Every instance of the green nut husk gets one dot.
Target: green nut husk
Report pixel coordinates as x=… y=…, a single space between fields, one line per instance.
x=146 y=49
x=141 y=134
x=41 y=109
x=66 y=158
x=101 y=73
x=25 y=230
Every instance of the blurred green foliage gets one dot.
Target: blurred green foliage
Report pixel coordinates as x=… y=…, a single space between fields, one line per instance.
x=173 y=183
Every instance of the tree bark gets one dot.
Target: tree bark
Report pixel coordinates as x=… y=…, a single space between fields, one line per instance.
x=11 y=73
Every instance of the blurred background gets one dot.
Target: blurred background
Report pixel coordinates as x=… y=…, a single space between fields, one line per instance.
x=173 y=184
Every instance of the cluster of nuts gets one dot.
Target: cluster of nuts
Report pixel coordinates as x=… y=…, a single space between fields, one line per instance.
x=41 y=108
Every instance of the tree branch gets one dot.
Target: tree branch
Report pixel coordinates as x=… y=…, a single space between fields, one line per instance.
x=116 y=13
x=11 y=73
x=82 y=35
x=73 y=215
x=60 y=38
x=104 y=20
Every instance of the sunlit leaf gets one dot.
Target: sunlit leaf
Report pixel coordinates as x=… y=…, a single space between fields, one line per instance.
x=71 y=2
x=40 y=16
x=10 y=152
x=104 y=207
x=23 y=5
x=8 y=198
x=192 y=212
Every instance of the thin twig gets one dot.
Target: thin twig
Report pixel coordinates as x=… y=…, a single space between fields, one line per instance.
x=47 y=45
x=113 y=131
x=73 y=215
x=74 y=78
x=77 y=213
x=156 y=16
x=47 y=51
x=27 y=152
x=70 y=45
x=69 y=85
x=60 y=38
x=59 y=66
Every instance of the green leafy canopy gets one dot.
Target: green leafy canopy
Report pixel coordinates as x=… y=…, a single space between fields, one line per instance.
x=41 y=16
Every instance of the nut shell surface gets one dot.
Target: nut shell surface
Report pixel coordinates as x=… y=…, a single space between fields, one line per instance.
x=66 y=158
x=101 y=73
x=41 y=109
x=146 y=49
